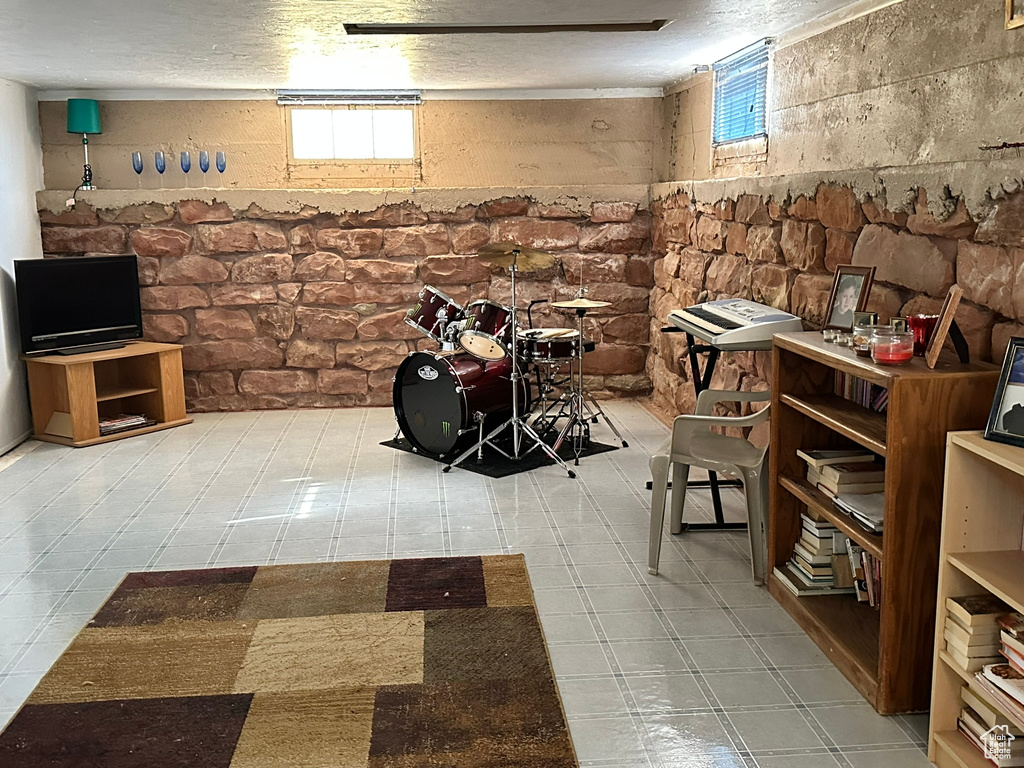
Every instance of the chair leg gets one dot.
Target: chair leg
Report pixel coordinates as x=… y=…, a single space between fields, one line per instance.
x=755 y=487
x=680 y=476
x=659 y=488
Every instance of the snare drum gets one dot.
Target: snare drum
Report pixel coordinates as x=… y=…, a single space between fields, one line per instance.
x=488 y=330
x=434 y=313
x=549 y=345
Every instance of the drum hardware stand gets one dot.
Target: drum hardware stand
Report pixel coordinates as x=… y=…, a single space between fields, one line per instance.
x=518 y=424
x=580 y=412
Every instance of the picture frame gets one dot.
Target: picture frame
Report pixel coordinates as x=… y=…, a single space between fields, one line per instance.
x=1014 y=14
x=850 y=290
x=1008 y=402
x=949 y=307
x=865 y=318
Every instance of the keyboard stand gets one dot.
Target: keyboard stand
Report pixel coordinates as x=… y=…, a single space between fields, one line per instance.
x=702 y=381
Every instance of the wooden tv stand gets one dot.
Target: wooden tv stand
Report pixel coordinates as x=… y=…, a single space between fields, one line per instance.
x=70 y=393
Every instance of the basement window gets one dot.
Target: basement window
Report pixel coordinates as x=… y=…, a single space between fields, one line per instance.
x=353 y=134
x=741 y=95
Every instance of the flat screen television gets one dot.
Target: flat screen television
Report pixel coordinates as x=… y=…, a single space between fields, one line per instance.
x=73 y=302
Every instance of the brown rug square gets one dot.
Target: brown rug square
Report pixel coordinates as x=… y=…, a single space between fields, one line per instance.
x=438 y=662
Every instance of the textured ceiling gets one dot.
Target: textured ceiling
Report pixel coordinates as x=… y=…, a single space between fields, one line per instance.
x=247 y=44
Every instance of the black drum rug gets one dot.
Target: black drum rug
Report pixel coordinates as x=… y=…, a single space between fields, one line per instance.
x=382 y=664
x=496 y=465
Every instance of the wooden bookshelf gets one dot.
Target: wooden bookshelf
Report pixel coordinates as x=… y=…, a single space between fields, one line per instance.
x=982 y=537
x=70 y=394
x=885 y=653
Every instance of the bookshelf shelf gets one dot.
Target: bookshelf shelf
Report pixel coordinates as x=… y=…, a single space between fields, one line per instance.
x=123 y=393
x=884 y=652
x=821 y=504
x=957 y=751
x=845 y=630
x=1000 y=572
x=983 y=516
x=860 y=424
x=964 y=674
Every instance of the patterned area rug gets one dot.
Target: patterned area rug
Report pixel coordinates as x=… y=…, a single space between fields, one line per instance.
x=387 y=664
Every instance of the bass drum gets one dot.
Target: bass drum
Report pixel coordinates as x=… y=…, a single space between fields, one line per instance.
x=436 y=397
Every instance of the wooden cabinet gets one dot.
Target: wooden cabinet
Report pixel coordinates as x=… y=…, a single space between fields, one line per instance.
x=980 y=551
x=70 y=394
x=885 y=653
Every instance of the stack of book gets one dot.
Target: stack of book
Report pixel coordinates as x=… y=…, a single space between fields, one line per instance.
x=1002 y=685
x=979 y=720
x=1012 y=639
x=844 y=472
x=971 y=630
x=851 y=477
x=811 y=570
x=123 y=423
x=868 y=509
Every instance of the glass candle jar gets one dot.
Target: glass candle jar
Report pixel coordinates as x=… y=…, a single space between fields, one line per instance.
x=890 y=347
x=862 y=338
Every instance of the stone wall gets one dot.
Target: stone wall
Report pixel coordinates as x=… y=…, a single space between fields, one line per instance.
x=307 y=309
x=782 y=252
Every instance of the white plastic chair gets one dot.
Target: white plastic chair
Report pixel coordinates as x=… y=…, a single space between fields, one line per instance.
x=693 y=444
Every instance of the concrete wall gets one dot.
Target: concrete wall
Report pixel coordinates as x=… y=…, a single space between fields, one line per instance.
x=463 y=144
x=915 y=84
x=19 y=239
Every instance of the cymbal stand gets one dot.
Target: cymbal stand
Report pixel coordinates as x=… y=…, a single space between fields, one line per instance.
x=520 y=428
x=580 y=412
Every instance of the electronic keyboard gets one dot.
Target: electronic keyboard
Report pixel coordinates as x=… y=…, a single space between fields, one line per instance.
x=734 y=323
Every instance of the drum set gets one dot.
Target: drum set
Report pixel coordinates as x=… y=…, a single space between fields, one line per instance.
x=476 y=389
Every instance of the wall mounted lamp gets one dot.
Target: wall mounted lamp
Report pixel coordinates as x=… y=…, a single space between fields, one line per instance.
x=84 y=118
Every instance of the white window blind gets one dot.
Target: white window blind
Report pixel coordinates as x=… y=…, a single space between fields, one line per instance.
x=741 y=94
x=353 y=133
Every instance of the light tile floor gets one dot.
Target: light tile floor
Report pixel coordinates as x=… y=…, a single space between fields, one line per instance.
x=694 y=667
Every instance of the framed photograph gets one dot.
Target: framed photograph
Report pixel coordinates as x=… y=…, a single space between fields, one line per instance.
x=949 y=307
x=865 y=318
x=850 y=291
x=1006 y=419
x=1014 y=13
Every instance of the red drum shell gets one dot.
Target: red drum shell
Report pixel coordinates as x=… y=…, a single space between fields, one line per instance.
x=434 y=309
x=487 y=321
x=436 y=397
x=549 y=348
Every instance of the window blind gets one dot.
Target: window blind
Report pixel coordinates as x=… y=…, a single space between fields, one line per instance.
x=741 y=94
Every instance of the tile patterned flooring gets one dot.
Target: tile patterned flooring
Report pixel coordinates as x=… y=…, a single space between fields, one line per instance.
x=694 y=667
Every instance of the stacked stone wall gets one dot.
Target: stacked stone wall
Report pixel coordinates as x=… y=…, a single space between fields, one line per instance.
x=784 y=253
x=307 y=309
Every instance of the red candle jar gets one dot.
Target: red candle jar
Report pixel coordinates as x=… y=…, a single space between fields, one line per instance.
x=922 y=327
x=892 y=347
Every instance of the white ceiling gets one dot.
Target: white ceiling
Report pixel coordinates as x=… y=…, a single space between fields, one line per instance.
x=257 y=44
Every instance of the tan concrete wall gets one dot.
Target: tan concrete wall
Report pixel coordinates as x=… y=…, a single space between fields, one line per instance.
x=915 y=84
x=684 y=148
x=462 y=143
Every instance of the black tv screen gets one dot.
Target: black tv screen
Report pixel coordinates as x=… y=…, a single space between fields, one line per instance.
x=75 y=301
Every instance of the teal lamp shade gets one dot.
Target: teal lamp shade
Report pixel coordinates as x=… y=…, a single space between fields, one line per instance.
x=84 y=116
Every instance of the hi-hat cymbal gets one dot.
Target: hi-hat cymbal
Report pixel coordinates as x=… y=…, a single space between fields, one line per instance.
x=526 y=259
x=580 y=304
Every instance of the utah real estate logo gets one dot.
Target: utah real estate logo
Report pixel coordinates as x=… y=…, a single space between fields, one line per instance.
x=997 y=742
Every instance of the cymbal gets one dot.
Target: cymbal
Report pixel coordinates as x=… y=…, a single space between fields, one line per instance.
x=580 y=304
x=526 y=259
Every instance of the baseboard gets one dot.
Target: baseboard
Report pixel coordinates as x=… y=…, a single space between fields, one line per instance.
x=10 y=453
